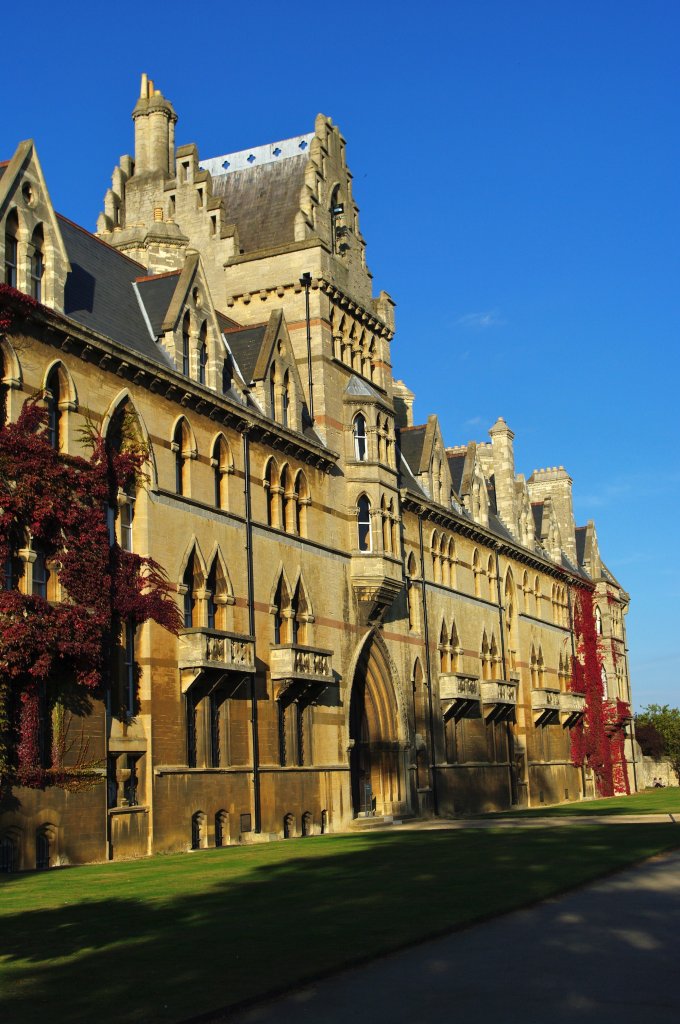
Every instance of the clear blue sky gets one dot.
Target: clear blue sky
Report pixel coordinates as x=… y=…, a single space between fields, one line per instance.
x=516 y=165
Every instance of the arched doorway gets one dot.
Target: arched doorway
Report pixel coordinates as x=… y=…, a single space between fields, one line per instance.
x=377 y=757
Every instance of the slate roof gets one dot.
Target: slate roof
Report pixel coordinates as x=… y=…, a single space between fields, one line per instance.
x=456 y=466
x=99 y=293
x=156 y=293
x=580 y=543
x=361 y=389
x=245 y=344
x=263 y=201
x=408 y=478
x=496 y=526
x=411 y=441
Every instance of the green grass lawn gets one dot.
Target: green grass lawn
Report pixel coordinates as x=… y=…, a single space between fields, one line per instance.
x=649 y=801
x=168 y=938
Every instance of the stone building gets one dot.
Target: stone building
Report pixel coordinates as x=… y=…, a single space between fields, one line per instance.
x=375 y=623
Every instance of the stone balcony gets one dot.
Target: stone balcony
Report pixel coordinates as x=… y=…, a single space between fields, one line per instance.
x=213 y=651
x=546 y=705
x=460 y=695
x=572 y=708
x=499 y=699
x=298 y=671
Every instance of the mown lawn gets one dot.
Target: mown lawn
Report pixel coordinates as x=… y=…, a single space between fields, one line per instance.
x=649 y=801
x=168 y=938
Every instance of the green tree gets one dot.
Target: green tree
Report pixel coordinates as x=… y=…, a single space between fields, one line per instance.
x=666 y=722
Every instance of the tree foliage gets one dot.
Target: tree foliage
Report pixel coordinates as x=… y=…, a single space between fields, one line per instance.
x=665 y=721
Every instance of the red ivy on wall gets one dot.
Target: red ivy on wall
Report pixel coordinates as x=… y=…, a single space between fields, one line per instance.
x=598 y=740
x=61 y=502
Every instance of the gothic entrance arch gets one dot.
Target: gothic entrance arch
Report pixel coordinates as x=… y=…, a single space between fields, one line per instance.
x=377 y=755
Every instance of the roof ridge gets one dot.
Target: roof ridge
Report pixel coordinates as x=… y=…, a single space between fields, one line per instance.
x=156 y=277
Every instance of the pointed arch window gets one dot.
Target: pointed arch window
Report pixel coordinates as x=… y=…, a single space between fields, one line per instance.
x=485 y=657
x=444 y=650
x=202 y=353
x=598 y=621
x=221 y=466
x=477 y=573
x=53 y=398
x=412 y=595
x=273 y=494
x=272 y=391
x=186 y=344
x=299 y=615
x=303 y=501
x=436 y=561
x=37 y=262
x=217 y=594
x=11 y=249
x=359 y=434
x=364 y=536
x=289 y=500
x=181 y=446
x=491 y=573
x=456 y=650
x=40 y=574
x=280 y=612
x=285 y=399
x=192 y=585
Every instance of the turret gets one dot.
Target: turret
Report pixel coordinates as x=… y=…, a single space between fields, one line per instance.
x=504 y=472
x=154 y=119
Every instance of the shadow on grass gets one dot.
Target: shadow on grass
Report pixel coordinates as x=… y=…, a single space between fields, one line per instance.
x=124 y=957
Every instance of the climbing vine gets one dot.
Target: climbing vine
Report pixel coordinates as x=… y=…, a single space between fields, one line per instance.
x=598 y=739
x=58 y=504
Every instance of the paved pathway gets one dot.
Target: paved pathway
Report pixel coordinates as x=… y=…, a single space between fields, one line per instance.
x=606 y=954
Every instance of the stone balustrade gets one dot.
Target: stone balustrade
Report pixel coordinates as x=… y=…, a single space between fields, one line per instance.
x=453 y=686
x=294 y=661
x=206 y=649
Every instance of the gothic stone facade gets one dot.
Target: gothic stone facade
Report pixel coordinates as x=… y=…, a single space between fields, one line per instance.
x=375 y=622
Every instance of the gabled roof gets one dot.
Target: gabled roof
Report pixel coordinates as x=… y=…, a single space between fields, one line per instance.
x=26 y=157
x=99 y=292
x=581 y=544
